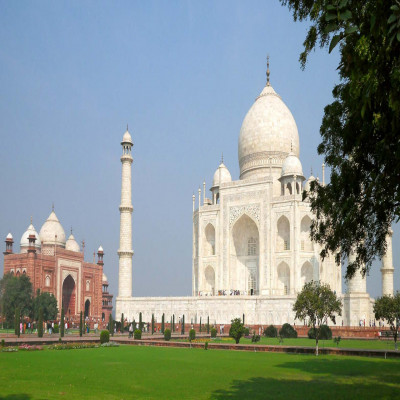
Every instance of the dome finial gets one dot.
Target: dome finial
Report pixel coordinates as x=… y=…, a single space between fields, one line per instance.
x=222 y=157
x=268 y=84
x=71 y=230
x=311 y=170
x=291 y=146
x=127 y=127
x=52 y=206
x=31 y=219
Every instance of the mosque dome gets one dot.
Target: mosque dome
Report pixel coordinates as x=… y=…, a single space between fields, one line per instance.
x=72 y=244
x=50 y=229
x=268 y=134
x=127 y=138
x=25 y=237
x=9 y=236
x=308 y=183
x=292 y=166
x=104 y=279
x=100 y=249
x=221 y=175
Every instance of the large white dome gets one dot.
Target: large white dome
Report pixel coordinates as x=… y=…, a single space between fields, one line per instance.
x=50 y=229
x=267 y=136
x=25 y=237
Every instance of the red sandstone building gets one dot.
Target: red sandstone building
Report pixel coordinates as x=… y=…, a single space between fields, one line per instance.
x=57 y=266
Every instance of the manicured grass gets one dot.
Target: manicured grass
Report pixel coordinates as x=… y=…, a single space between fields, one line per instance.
x=132 y=372
x=344 y=343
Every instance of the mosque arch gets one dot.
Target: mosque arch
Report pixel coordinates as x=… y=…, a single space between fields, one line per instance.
x=69 y=295
x=209 y=243
x=209 y=276
x=283 y=237
x=306 y=243
x=289 y=188
x=87 y=308
x=244 y=256
x=284 y=278
x=306 y=273
x=47 y=281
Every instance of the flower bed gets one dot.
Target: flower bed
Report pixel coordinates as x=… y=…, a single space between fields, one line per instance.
x=109 y=344
x=71 y=346
x=27 y=347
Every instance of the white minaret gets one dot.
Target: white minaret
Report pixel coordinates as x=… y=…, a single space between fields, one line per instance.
x=387 y=267
x=125 y=251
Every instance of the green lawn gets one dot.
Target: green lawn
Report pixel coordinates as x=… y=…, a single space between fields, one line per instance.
x=130 y=372
x=344 y=343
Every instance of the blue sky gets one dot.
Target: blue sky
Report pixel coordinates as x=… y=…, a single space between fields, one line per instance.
x=183 y=75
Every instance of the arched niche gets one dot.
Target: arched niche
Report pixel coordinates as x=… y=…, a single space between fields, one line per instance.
x=87 y=308
x=209 y=243
x=283 y=278
x=283 y=236
x=245 y=250
x=305 y=240
x=306 y=273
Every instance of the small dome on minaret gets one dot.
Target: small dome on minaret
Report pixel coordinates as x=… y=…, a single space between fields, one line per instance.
x=127 y=138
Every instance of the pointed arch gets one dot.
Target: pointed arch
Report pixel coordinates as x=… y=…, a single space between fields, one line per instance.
x=245 y=252
x=306 y=273
x=68 y=295
x=305 y=240
x=209 y=276
x=283 y=236
x=283 y=278
x=209 y=243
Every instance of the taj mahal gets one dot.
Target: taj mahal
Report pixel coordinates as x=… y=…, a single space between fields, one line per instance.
x=252 y=251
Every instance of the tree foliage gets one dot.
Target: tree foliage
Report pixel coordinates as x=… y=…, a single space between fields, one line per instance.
x=360 y=129
x=15 y=292
x=315 y=304
x=388 y=308
x=48 y=303
x=236 y=330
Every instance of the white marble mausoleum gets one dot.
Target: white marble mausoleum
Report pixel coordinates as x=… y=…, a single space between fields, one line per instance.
x=252 y=252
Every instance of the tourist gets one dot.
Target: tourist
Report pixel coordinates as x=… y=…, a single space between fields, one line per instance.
x=130 y=330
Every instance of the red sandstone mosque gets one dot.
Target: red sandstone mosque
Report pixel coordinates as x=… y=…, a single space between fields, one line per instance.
x=57 y=266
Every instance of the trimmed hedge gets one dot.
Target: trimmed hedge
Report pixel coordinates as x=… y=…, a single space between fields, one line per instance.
x=137 y=334
x=213 y=333
x=325 y=333
x=271 y=331
x=167 y=335
x=104 y=337
x=192 y=334
x=287 y=331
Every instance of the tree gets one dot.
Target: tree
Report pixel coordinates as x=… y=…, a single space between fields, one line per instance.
x=208 y=325
x=388 y=308
x=111 y=325
x=122 y=323
x=315 y=304
x=360 y=140
x=236 y=330
x=15 y=292
x=48 y=303
x=140 y=322
x=200 y=324
x=62 y=322
x=40 y=324
x=183 y=324
x=162 y=323
x=80 y=325
x=152 y=324
x=17 y=322
x=173 y=323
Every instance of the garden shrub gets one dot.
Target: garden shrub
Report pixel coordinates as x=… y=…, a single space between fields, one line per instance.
x=287 y=331
x=337 y=340
x=213 y=333
x=167 y=335
x=104 y=337
x=325 y=333
x=271 y=331
x=255 y=338
x=192 y=334
x=137 y=334
x=56 y=328
x=206 y=346
x=246 y=332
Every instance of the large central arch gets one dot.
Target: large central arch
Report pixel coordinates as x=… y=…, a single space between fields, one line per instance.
x=245 y=250
x=69 y=296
